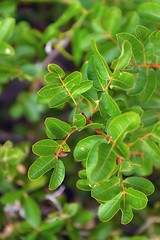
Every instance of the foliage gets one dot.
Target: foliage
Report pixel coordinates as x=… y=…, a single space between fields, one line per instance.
x=112 y=126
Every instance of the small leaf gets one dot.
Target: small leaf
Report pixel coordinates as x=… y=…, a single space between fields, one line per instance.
x=45 y=147
x=136 y=199
x=54 y=68
x=152 y=150
x=112 y=22
x=6 y=28
x=141 y=184
x=127 y=214
x=101 y=162
x=83 y=184
x=137 y=46
x=106 y=190
x=57 y=175
x=150 y=11
x=122 y=80
x=102 y=70
x=155 y=134
x=71 y=209
x=124 y=59
x=59 y=98
x=108 y=106
x=107 y=210
x=56 y=128
x=41 y=166
x=79 y=120
x=73 y=79
x=83 y=147
x=6 y=49
x=150 y=85
x=83 y=87
x=49 y=90
x=122 y=124
x=32 y=212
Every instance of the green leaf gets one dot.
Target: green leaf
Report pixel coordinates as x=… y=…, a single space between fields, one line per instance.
x=122 y=124
x=57 y=175
x=150 y=85
x=102 y=70
x=154 y=39
x=140 y=82
x=136 y=199
x=32 y=212
x=152 y=150
x=6 y=49
x=54 y=225
x=155 y=134
x=101 y=162
x=107 y=210
x=49 y=90
x=124 y=58
x=71 y=209
x=106 y=190
x=83 y=87
x=122 y=80
x=83 y=147
x=45 y=147
x=137 y=46
x=83 y=184
x=41 y=166
x=82 y=174
x=52 y=78
x=73 y=79
x=6 y=28
x=108 y=106
x=150 y=11
x=54 y=68
x=11 y=196
x=112 y=22
x=127 y=214
x=141 y=184
x=59 y=98
x=143 y=34
x=56 y=128
x=79 y=121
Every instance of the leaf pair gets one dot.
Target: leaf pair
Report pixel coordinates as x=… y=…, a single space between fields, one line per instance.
x=59 y=91
x=49 y=150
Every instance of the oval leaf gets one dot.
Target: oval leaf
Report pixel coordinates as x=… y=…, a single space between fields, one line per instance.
x=57 y=175
x=107 y=210
x=136 y=199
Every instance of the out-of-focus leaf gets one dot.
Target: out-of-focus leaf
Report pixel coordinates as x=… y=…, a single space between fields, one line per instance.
x=6 y=49
x=6 y=28
x=150 y=11
x=32 y=212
